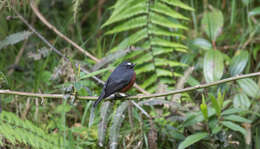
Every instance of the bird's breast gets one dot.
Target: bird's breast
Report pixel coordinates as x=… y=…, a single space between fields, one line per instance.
x=131 y=83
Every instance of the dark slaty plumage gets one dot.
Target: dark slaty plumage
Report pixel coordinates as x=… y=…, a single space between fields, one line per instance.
x=120 y=80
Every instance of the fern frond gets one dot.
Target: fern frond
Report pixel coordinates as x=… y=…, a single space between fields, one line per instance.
x=154 y=26
x=17 y=131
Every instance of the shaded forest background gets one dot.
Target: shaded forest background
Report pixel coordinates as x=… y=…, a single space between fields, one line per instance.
x=70 y=48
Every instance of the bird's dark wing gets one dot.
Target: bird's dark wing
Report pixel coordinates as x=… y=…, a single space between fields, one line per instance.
x=116 y=82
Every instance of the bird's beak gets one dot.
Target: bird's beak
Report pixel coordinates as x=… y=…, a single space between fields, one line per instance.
x=133 y=65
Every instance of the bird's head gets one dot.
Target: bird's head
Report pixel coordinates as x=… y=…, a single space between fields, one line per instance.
x=128 y=65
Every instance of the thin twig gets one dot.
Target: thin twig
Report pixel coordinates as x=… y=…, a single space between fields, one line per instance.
x=51 y=46
x=137 y=97
x=53 y=28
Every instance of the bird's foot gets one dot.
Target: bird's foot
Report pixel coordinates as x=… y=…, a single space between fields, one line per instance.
x=120 y=95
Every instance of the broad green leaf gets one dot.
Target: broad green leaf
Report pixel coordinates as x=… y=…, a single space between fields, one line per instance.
x=241 y=101
x=165 y=22
x=128 y=25
x=238 y=63
x=14 y=38
x=232 y=111
x=234 y=126
x=166 y=10
x=178 y=3
x=192 y=139
x=255 y=11
x=212 y=23
x=236 y=118
x=213 y=66
x=249 y=87
x=216 y=129
x=202 y=43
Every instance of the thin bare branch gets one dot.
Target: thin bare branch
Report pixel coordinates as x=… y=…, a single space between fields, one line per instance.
x=137 y=97
x=53 y=28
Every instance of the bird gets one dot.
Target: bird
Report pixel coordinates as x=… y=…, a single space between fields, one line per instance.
x=120 y=80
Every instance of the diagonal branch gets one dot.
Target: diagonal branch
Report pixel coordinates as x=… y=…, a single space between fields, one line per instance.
x=53 y=28
x=137 y=97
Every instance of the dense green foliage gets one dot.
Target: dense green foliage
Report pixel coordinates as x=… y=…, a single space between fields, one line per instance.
x=174 y=43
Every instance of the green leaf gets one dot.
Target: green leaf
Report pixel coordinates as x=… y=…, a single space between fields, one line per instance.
x=152 y=79
x=145 y=68
x=161 y=50
x=143 y=58
x=163 y=72
x=255 y=11
x=63 y=108
x=137 y=9
x=215 y=104
x=159 y=31
x=15 y=38
x=128 y=25
x=178 y=3
x=202 y=43
x=204 y=108
x=165 y=22
x=216 y=129
x=213 y=66
x=234 y=127
x=232 y=111
x=238 y=63
x=236 y=118
x=241 y=101
x=165 y=43
x=95 y=73
x=122 y=5
x=192 y=139
x=3 y=78
x=166 y=10
x=130 y=40
x=165 y=62
x=249 y=87
x=212 y=23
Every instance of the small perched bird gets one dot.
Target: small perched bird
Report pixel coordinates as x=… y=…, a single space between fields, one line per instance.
x=120 y=80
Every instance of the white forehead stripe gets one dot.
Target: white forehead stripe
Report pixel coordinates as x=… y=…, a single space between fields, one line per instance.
x=129 y=63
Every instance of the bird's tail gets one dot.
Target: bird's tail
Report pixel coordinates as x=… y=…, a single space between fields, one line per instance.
x=99 y=99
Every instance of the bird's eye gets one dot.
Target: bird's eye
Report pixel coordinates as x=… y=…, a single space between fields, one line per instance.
x=129 y=64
